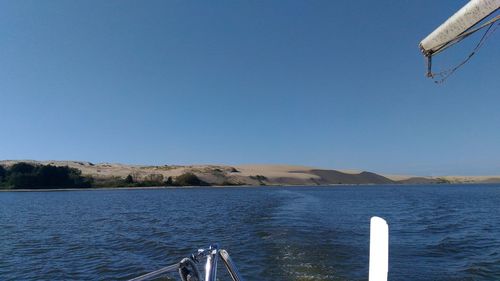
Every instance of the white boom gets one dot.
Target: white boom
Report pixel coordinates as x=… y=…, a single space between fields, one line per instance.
x=379 y=249
x=468 y=16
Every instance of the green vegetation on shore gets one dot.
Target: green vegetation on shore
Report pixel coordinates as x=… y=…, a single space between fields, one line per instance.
x=24 y=175
x=35 y=176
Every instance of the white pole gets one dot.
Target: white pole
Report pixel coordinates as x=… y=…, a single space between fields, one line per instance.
x=379 y=249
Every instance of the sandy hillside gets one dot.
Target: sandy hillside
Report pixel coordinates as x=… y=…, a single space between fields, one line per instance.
x=254 y=174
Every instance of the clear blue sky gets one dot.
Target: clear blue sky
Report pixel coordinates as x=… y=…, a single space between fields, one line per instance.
x=333 y=84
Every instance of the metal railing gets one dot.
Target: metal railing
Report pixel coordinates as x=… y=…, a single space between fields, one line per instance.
x=188 y=269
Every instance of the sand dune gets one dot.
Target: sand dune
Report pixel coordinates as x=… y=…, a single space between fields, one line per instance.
x=254 y=174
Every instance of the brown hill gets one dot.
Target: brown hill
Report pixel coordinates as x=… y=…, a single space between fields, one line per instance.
x=337 y=177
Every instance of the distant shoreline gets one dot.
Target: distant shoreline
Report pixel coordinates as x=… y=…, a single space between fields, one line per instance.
x=81 y=175
x=230 y=186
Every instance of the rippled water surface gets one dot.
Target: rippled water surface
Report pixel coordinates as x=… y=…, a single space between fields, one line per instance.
x=297 y=233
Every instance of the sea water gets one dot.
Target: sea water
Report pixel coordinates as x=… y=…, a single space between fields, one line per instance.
x=438 y=232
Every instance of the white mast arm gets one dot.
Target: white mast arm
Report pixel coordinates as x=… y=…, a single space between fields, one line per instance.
x=468 y=16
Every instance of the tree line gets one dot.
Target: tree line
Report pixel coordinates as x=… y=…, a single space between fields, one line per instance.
x=24 y=175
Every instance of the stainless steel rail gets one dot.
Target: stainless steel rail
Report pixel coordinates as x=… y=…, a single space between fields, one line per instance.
x=211 y=264
x=156 y=273
x=188 y=271
x=231 y=267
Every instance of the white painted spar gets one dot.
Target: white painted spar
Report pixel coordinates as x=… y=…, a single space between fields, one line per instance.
x=379 y=249
x=468 y=16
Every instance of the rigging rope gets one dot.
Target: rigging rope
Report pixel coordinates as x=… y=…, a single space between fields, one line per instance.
x=443 y=75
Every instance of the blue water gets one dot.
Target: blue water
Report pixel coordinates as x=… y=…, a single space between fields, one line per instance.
x=442 y=232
